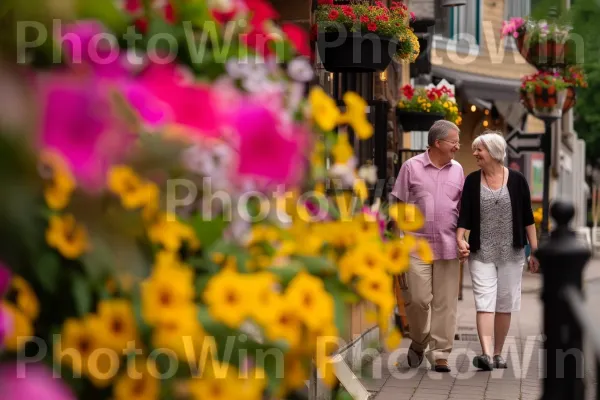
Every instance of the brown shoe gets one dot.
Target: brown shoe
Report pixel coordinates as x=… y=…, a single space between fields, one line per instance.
x=441 y=366
x=415 y=358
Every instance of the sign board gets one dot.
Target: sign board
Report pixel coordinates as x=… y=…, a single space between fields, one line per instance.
x=519 y=142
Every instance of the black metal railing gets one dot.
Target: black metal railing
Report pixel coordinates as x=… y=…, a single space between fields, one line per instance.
x=563 y=258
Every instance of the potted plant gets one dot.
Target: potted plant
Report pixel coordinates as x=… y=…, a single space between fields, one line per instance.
x=419 y=108
x=543 y=43
x=362 y=37
x=545 y=93
x=550 y=94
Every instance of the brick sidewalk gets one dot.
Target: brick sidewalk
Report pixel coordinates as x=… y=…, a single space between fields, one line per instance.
x=392 y=379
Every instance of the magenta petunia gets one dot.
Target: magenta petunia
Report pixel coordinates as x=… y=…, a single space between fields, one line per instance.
x=25 y=382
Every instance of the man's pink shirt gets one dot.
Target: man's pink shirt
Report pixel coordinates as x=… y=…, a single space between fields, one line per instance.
x=436 y=191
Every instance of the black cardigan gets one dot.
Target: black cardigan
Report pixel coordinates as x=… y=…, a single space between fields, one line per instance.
x=470 y=210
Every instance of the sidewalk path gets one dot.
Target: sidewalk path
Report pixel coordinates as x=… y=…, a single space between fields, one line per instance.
x=390 y=378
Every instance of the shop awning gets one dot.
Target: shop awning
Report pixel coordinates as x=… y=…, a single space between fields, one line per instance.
x=486 y=88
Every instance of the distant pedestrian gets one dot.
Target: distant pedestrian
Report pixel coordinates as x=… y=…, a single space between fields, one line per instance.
x=433 y=182
x=496 y=212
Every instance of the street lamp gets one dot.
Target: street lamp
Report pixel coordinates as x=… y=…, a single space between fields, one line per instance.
x=453 y=3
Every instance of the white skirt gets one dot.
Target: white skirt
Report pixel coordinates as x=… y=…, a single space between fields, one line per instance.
x=496 y=287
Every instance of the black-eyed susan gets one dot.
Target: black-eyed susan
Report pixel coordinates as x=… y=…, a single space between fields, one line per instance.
x=171 y=233
x=265 y=291
x=408 y=216
x=324 y=111
x=77 y=349
x=367 y=227
x=374 y=286
x=116 y=323
x=311 y=302
x=226 y=295
x=137 y=383
x=21 y=329
x=170 y=287
x=286 y=324
x=67 y=236
x=59 y=182
x=134 y=192
x=221 y=381
x=398 y=253
x=179 y=332
x=25 y=298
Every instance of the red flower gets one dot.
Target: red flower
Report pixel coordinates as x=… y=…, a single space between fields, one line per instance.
x=298 y=37
x=383 y=18
x=136 y=9
x=413 y=16
x=372 y=26
x=333 y=15
x=408 y=91
x=364 y=19
x=261 y=12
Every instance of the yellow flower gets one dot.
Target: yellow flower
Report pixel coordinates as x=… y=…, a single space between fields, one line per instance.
x=286 y=324
x=393 y=340
x=407 y=216
x=227 y=383
x=363 y=260
x=180 y=331
x=170 y=287
x=116 y=323
x=356 y=115
x=226 y=296
x=21 y=328
x=367 y=227
x=398 y=253
x=76 y=348
x=424 y=251
x=67 y=236
x=361 y=190
x=136 y=383
x=264 y=294
x=168 y=231
x=374 y=286
x=295 y=373
x=132 y=190
x=342 y=151
x=25 y=298
x=307 y=295
x=324 y=110
x=60 y=183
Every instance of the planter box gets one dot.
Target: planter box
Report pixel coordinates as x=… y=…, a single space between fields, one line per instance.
x=416 y=120
x=355 y=52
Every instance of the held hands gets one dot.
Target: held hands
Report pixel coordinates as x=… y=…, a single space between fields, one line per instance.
x=463 y=249
x=534 y=264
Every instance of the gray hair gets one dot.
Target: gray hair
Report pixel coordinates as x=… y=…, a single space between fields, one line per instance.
x=494 y=143
x=440 y=130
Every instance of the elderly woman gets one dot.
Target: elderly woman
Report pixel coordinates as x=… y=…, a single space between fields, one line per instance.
x=496 y=210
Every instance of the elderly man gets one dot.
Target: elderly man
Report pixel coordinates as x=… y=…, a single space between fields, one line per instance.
x=433 y=181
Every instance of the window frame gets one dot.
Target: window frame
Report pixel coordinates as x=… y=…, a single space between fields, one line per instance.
x=448 y=40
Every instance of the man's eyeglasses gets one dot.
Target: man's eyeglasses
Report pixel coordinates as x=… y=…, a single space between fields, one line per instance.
x=452 y=143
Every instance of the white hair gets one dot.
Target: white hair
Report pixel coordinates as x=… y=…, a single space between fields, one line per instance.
x=495 y=144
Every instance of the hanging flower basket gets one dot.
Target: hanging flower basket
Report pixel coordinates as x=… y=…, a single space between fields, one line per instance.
x=546 y=102
x=570 y=101
x=354 y=52
x=363 y=37
x=417 y=120
x=543 y=44
x=545 y=90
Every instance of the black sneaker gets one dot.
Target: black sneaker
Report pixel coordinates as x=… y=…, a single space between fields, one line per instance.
x=415 y=358
x=483 y=362
x=499 y=362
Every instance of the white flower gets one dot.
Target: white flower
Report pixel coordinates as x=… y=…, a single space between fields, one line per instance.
x=300 y=69
x=368 y=173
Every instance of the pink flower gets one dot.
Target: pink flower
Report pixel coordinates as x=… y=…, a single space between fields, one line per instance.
x=5 y=277
x=264 y=151
x=36 y=383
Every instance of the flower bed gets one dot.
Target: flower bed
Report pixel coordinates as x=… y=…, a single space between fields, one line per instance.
x=120 y=270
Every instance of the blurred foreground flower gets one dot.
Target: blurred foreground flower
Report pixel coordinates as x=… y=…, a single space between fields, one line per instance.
x=37 y=383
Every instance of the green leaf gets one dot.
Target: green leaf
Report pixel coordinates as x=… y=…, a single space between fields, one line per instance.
x=82 y=295
x=104 y=11
x=317 y=265
x=338 y=291
x=286 y=273
x=208 y=231
x=48 y=270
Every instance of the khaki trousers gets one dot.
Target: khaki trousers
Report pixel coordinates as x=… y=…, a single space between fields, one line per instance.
x=431 y=301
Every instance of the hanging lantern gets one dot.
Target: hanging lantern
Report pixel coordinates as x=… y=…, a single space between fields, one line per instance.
x=453 y=3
